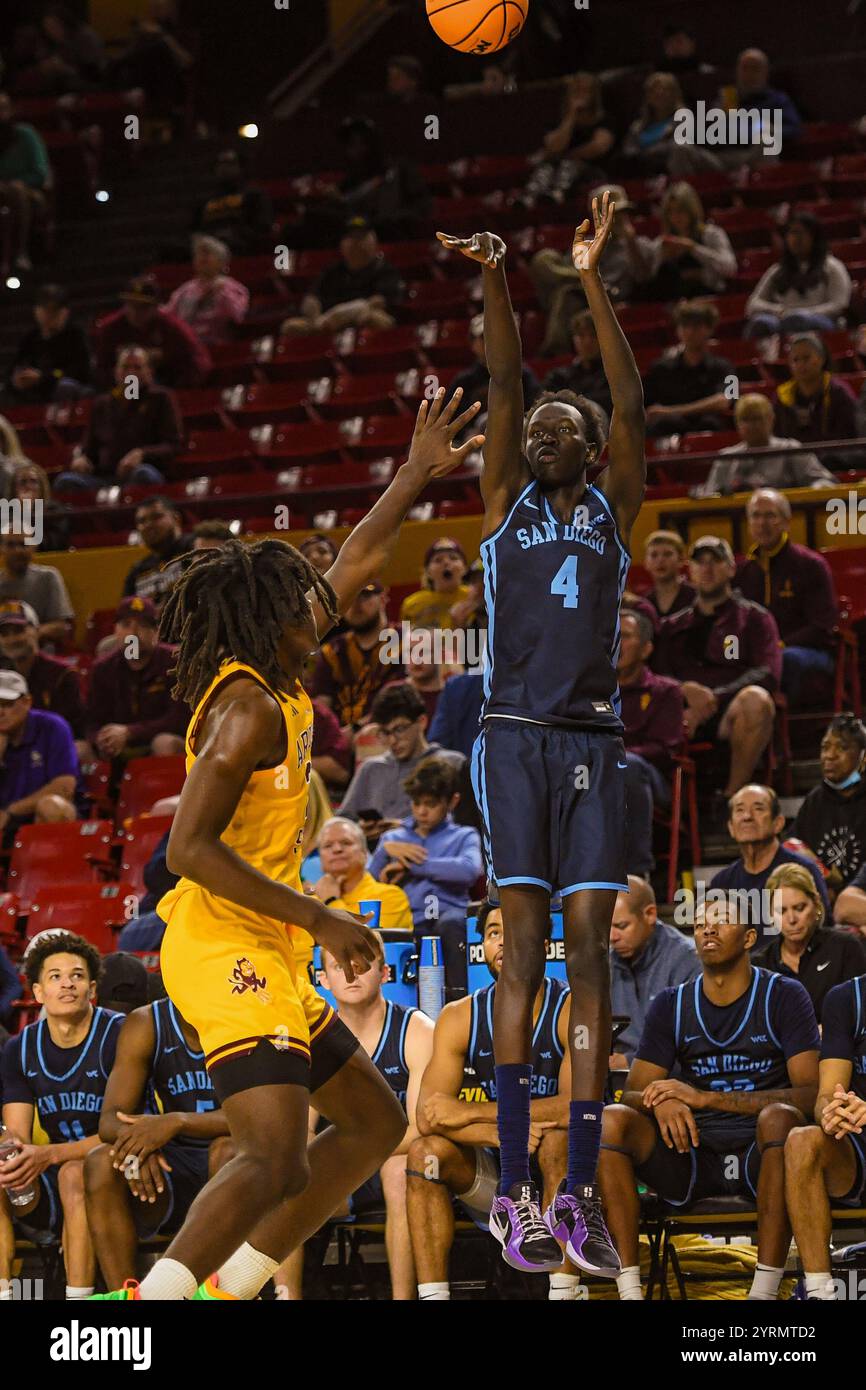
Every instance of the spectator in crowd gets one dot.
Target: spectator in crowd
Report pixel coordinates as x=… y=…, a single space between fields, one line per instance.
x=796 y=585
x=130 y=708
x=626 y=263
x=664 y=556
x=51 y=684
x=470 y=614
x=156 y=60
x=754 y=93
x=849 y=907
x=585 y=374
x=832 y=817
x=158 y=522
x=753 y=416
x=692 y=256
x=211 y=303
x=145 y=932
x=42 y=586
x=331 y=754
x=350 y=670
x=210 y=534
x=575 y=150
x=52 y=360
x=379 y=783
x=320 y=550
x=390 y=193
x=679 y=51
x=813 y=404
x=755 y=823
x=436 y=860
x=475 y=380
x=178 y=358
x=429 y=669
x=400 y=1042
x=131 y=430
x=25 y=176
x=646 y=956
x=10 y=990
x=457 y=721
x=237 y=212
x=752 y=96
x=30 y=484
x=807 y=289
x=686 y=388
x=653 y=713
x=361 y=290
x=11 y=454
x=404 y=78
x=347 y=880
x=679 y=1136
x=319 y=812
x=633 y=603
x=650 y=137
x=72 y=49
x=728 y=691
x=456 y=1155
x=56 y=1071
x=39 y=775
x=124 y=984
x=444 y=568
x=806 y=947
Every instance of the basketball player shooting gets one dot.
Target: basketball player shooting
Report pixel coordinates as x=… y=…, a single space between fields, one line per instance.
x=549 y=764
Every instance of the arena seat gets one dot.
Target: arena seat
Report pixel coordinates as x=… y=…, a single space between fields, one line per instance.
x=384 y=433
x=267 y=401
x=434 y=298
x=97 y=785
x=384 y=349
x=93 y=910
x=145 y=781
x=45 y=855
x=359 y=395
x=140 y=839
x=212 y=451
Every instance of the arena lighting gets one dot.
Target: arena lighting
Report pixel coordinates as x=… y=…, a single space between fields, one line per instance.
x=249 y=132
x=102 y=195
x=13 y=283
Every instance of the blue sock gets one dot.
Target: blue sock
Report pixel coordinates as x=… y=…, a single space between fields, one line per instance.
x=584 y=1142
x=513 y=1091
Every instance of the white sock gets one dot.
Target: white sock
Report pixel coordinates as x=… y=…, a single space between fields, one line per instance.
x=169 y=1281
x=820 y=1286
x=765 y=1285
x=73 y=1292
x=281 y=1293
x=429 y=1292
x=628 y=1283
x=246 y=1272
x=563 y=1286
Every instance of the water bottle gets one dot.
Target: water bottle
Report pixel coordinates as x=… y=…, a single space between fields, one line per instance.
x=374 y=906
x=18 y=1196
x=431 y=977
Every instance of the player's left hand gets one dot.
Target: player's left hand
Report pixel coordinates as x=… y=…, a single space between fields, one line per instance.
x=586 y=250
x=145 y=1176
x=431 y=452
x=143 y=1135
x=667 y=1089
x=848 y=1114
x=484 y=247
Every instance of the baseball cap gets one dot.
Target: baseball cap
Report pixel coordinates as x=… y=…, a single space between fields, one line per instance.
x=716 y=544
x=357 y=226
x=12 y=685
x=618 y=196
x=444 y=543
x=123 y=984
x=141 y=289
x=16 y=612
x=136 y=607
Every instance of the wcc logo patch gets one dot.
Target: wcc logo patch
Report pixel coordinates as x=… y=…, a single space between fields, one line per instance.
x=244 y=977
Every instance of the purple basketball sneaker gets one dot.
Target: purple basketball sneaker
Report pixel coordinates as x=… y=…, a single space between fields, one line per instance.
x=578 y=1221
x=517 y=1223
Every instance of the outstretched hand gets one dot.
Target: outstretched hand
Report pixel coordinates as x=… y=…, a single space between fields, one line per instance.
x=481 y=246
x=587 y=249
x=436 y=428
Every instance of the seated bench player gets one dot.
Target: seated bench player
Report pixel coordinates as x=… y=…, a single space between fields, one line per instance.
x=744 y=1043
x=57 y=1069
x=149 y=1168
x=825 y=1164
x=457 y=1151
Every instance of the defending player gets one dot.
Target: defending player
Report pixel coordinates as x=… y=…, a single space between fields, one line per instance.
x=549 y=765
x=246 y=619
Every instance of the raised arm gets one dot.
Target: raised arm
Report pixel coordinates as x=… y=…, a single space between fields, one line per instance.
x=505 y=468
x=366 y=551
x=624 y=480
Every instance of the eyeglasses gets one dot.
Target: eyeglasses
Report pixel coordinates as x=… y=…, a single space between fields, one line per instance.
x=396 y=730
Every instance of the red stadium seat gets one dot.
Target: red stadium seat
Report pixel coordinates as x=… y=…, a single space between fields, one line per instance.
x=448 y=345
x=97 y=783
x=383 y=434
x=296 y=359
x=785 y=182
x=139 y=841
x=212 y=451
x=145 y=781
x=360 y=395
x=318 y=439
x=92 y=910
x=267 y=401
x=50 y=854
x=394 y=349
x=431 y=299
x=746 y=227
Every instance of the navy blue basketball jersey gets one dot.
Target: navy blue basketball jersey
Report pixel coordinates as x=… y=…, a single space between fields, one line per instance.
x=843 y=1029
x=67 y=1085
x=479 y=1076
x=390 y=1055
x=553 y=592
x=749 y=1057
x=179 y=1075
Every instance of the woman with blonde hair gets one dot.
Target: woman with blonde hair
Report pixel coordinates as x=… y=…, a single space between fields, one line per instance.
x=650 y=138
x=10 y=454
x=30 y=483
x=803 y=945
x=692 y=256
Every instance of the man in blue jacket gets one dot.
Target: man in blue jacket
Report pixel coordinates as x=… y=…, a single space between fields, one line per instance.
x=646 y=956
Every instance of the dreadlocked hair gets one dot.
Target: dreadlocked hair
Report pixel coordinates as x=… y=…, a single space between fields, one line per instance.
x=594 y=417
x=236 y=602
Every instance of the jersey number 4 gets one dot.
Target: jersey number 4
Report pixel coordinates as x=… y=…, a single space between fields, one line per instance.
x=565 y=582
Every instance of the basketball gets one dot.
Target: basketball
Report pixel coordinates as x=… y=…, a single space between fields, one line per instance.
x=477 y=26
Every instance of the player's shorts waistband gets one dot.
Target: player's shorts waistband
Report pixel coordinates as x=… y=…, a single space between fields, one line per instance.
x=584 y=728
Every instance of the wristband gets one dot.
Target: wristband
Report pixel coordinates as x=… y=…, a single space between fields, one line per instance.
x=328 y=901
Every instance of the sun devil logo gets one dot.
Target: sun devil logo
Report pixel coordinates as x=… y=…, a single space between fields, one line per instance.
x=244 y=977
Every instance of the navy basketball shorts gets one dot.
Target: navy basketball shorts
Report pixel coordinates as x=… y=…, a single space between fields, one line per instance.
x=553 y=805
x=855 y=1195
x=189 y=1174
x=47 y=1216
x=681 y=1179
